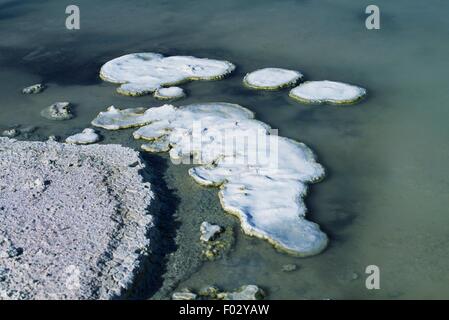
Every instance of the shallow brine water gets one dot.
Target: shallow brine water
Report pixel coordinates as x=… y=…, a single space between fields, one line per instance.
x=384 y=200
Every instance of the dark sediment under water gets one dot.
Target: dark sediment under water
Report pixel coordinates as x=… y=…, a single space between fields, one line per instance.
x=384 y=201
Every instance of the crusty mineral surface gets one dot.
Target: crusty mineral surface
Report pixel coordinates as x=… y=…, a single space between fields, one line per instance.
x=74 y=220
x=263 y=177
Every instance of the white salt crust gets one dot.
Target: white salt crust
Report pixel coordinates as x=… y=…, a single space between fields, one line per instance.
x=266 y=196
x=169 y=93
x=272 y=78
x=144 y=73
x=318 y=92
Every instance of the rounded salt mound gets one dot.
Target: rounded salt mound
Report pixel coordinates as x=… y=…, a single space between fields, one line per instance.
x=170 y=93
x=319 y=92
x=74 y=221
x=87 y=136
x=143 y=73
x=115 y=119
x=272 y=78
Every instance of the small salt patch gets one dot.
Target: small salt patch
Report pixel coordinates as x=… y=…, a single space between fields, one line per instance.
x=87 y=136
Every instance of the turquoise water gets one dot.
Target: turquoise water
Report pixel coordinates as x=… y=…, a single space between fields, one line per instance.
x=384 y=201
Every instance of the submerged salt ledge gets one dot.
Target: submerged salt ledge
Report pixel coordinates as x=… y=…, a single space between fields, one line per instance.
x=34 y=89
x=58 y=111
x=74 y=221
x=144 y=73
x=266 y=196
x=272 y=78
x=318 y=92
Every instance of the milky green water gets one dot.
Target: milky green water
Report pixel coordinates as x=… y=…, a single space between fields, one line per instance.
x=385 y=200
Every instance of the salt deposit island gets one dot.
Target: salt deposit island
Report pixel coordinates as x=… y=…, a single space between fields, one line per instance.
x=74 y=222
x=75 y=219
x=265 y=196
